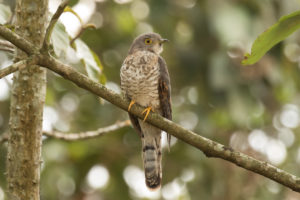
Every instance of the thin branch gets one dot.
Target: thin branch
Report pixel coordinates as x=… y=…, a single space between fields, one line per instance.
x=17 y=40
x=52 y=23
x=12 y=68
x=87 y=135
x=17 y=66
x=7 y=50
x=78 y=136
x=209 y=147
x=7 y=46
x=82 y=29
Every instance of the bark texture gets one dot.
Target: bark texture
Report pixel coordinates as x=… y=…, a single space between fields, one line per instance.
x=26 y=110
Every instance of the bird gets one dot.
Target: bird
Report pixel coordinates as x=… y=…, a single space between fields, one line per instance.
x=145 y=81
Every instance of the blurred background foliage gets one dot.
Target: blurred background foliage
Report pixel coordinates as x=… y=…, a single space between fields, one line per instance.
x=254 y=109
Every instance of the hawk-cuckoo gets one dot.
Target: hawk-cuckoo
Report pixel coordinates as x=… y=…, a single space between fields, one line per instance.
x=145 y=81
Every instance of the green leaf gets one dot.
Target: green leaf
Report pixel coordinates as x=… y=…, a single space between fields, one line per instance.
x=91 y=61
x=90 y=70
x=60 y=39
x=102 y=78
x=61 y=44
x=273 y=35
x=97 y=60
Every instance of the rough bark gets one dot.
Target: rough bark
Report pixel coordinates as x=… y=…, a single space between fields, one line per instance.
x=26 y=110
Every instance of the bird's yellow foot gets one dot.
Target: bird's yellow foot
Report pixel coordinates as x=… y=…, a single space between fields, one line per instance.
x=147 y=111
x=131 y=104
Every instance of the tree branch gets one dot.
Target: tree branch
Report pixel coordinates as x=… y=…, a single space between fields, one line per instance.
x=17 y=66
x=87 y=135
x=78 y=136
x=12 y=68
x=82 y=29
x=52 y=23
x=17 y=40
x=7 y=46
x=7 y=49
x=209 y=147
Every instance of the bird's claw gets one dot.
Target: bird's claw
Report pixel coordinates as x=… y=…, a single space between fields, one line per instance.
x=131 y=104
x=147 y=111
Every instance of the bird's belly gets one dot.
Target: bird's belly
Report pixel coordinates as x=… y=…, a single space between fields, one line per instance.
x=139 y=78
x=146 y=91
x=142 y=88
x=149 y=99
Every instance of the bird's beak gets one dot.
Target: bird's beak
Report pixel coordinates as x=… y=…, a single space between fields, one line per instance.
x=164 y=40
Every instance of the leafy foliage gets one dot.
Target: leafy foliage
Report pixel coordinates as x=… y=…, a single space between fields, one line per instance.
x=276 y=33
x=90 y=61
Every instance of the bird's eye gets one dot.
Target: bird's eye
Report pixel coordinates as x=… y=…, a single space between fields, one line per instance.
x=148 y=41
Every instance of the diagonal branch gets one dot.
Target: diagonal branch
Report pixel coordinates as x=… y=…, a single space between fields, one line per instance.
x=17 y=66
x=87 y=135
x=52 y=23
x=209 y=147
x=6 y=49
x=7 y=46
x=82 y=29
x=12 y=68
x=17 y=40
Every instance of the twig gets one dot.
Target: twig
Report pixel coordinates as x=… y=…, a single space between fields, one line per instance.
x=7 y=50
x=83 y=26
x=78 y=136
x=18 y=65
x=209 y=147
x=7 y=46
x=87 y=135
x=18 y=41
x=82 y=29
x=52 y=23
x=12 y=68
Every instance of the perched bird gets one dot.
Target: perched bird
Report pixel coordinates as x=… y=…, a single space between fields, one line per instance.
x=145 y=80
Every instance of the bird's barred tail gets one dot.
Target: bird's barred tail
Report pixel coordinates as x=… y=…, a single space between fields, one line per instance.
x=152 y=156
x=152 y=161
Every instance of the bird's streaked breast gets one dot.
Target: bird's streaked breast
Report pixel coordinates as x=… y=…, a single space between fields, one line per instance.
x=139 y=78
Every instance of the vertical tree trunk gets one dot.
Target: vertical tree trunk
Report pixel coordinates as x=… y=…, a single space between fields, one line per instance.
x=26 y=110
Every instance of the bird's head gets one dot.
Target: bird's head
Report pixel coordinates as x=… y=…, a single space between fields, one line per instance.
x=148 y=42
